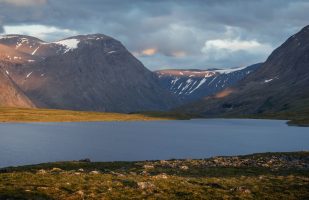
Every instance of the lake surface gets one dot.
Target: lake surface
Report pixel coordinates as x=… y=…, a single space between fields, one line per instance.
x=33 y=143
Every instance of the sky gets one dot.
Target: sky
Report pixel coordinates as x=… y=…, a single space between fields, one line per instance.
x=197 y=34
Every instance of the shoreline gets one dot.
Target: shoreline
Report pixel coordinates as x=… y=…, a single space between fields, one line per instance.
x=254 y=176
x=88 y=160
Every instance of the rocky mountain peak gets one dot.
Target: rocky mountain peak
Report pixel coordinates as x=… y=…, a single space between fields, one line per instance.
x=85 y=72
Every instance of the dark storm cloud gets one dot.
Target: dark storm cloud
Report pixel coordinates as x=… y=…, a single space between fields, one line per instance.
x=179 y=33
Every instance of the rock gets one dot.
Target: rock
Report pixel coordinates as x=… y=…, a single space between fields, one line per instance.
x=81 y=170
x=81 y=193
x=149 y=167
x=145 y=173
x=41 y=171
x=55 y=169
x=184 y=167
x=242 y=189
x=161 y=176
x=163 y=162
x=94 y=172
x=133 y=173
x=145 y=185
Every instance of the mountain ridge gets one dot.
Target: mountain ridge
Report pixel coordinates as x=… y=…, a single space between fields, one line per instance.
x=92 y=72
x=190 y=85
x=280 y=85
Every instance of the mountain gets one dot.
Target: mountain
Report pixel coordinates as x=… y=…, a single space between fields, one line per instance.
x=280 y=85
x=85 y=72
x=11 y=95
x=191 y=85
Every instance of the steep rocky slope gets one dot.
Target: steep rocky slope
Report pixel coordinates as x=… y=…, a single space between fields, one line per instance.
x=192 y=85
x=10 y=94
x=281 y=84
x=86 y=72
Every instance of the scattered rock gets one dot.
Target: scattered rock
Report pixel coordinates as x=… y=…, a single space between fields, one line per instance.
x=161 y=176
x=242 y=189
x=184 y=167
x=149 y=167
x=55 y=169
x=41 y=171
x=133 y=173
x=145 y=173
x=94 y=172
x=146 y=185
x=81 y=193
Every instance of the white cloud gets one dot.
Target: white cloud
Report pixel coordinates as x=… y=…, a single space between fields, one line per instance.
x=40 y=31
x=24 y=2
x=223 y=48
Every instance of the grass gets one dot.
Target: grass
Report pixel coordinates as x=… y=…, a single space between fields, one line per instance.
x=49 y=115
x=257 y=176
x=294 y=118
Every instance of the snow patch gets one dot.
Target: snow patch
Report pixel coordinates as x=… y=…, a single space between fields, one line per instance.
x=199 y=85
x=268 y=80
x=173 y=82
x=227 y=71
x=69 y=44
x=35 y=50
x=28 y=75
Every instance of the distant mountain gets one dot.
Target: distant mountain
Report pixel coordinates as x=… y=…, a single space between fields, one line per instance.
x=192 y=85
x=86 y=72
x=281 y=84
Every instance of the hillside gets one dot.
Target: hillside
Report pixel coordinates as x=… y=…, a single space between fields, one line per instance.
x=10 y=94
x=279 y=87
x=86 y=72
x=191 y=85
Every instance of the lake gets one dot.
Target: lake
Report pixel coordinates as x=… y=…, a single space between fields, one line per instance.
x=22 y=143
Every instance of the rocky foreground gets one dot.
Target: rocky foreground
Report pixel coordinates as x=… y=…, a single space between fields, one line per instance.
x=257 y=176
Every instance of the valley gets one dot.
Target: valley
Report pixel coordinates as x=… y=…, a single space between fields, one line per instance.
x=83 y=118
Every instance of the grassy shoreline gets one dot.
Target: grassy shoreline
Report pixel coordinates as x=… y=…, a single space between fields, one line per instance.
x=8 y=115
x=256 y=176
x=293 y=119
x=25 y=115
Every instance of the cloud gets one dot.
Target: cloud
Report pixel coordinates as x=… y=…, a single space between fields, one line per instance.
x=43 y=32
x=177 y=29
x=24 y=3
x=227 y=48
x=146 y=52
